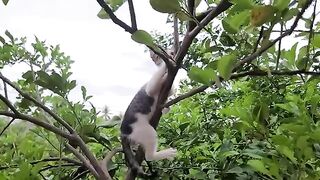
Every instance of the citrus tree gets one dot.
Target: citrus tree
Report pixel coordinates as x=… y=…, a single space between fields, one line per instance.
x=249 y=108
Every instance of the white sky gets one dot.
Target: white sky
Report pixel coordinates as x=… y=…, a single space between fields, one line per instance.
x=107 y=61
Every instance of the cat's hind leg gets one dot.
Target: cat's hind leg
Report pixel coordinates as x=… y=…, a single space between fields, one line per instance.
x=147 y=137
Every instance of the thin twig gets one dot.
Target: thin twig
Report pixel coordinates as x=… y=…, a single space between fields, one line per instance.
x=80 y=175
x=132 y=15
x=6 y=127
x=191 y=9
x=114 y=18
x=175 y=34
x=56 y=166
x=279 y=48
x=269 y=45
x=310 y=34
x=5 y=89
x=259 y=39
x=299 y=31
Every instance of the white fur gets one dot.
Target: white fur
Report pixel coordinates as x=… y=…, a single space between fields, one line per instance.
x=144 y=134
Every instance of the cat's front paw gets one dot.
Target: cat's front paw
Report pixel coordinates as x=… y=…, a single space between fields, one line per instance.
x=165 y=110
x=171 y=153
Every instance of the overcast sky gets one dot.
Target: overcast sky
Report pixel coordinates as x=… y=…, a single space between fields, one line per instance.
x=107 y=61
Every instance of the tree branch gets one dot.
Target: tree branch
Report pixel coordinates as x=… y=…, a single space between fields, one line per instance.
x=6 y=127
x=286 y=33
x=191 y=24
x=108 y=157
x=71 y=137
x=38 y=122
x=175 y=34
x=186 y=95
x=83 y=160
x=311 y=33
x=46 y=109
x=92 y=159
x=222 y=6
x=132 y=15
x=239 y=75
x=114 y=18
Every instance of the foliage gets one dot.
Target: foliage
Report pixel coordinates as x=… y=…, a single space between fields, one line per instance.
x=47 y=77
x=250 y=106
x=260 y=128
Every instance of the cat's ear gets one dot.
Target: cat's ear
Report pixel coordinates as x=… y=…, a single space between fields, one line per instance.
x=155 y=58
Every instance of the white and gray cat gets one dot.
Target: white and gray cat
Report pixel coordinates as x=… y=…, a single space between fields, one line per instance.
x=135 y=125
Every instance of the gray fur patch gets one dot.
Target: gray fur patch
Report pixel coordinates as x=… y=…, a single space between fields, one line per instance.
x=141 y=103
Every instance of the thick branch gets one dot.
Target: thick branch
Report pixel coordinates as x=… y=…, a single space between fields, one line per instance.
x=114 y=18
x=83 y=160
x=222 y=6
x=38 y=122
x=92 y=159
x=108 y=157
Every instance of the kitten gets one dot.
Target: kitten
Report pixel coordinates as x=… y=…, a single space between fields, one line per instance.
x=135 y=125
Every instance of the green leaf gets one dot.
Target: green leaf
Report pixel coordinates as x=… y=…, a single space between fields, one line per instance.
x=5 y=2
x=225 y=65
x=165 y=6
x=235 y=170
x=261 y=15
x=316 y=41
x=102 y=14
x=281 y=4
x=316 y=134
x=290 y=55
x=182 y=16
x=240 y=5
x=280 y=140
x=229 y=153
x=183 y=126
x=287 y=152
x=88 y=129
x=259 y=166
x=28 y=76
x=290 y=14
x=2 y=40
x=9 y=35
x=84 y=92
x=141 y=36
x=232 y=24
x=301 y=63
x=205 y=76
x=197 y=174
x=116 y=3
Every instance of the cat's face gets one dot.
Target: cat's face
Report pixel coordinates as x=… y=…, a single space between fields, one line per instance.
x=157 y=60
